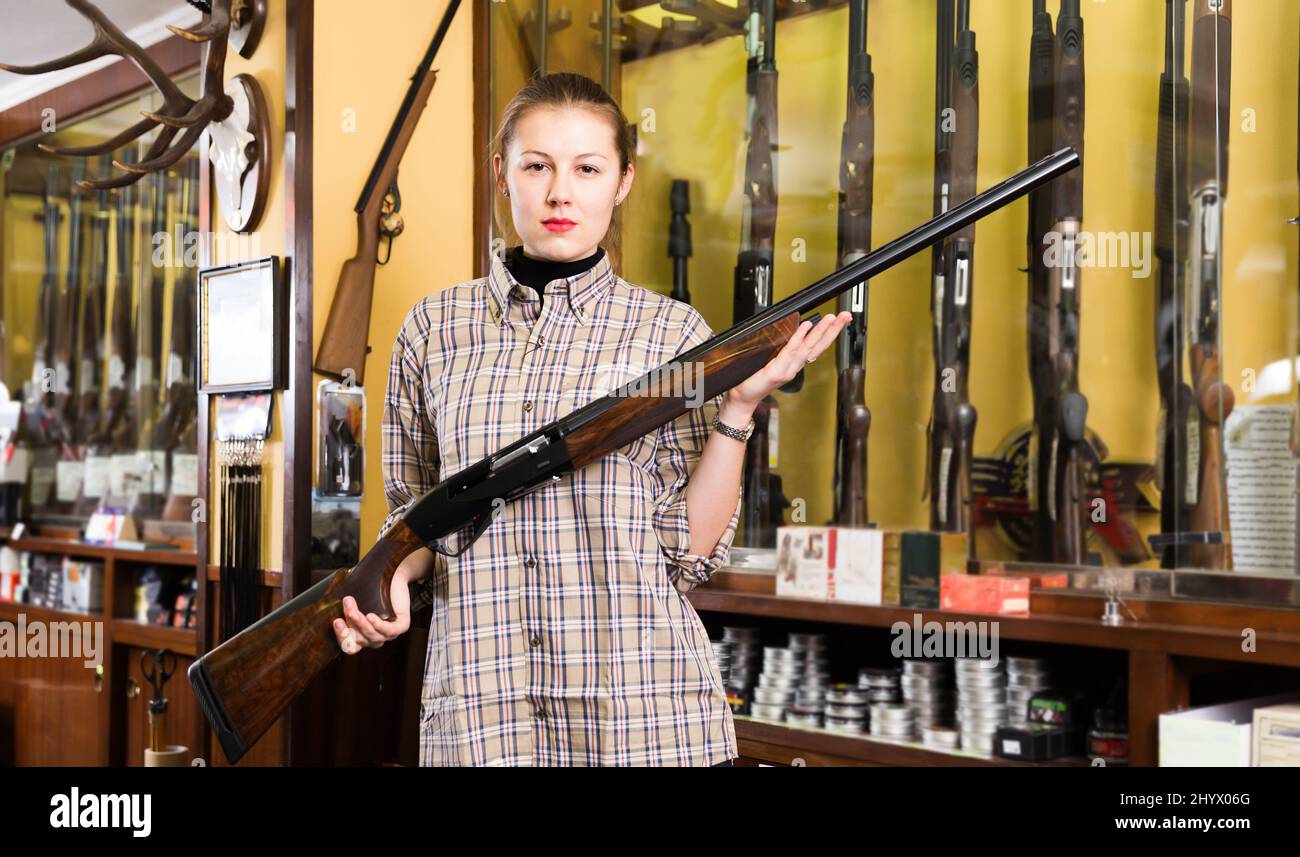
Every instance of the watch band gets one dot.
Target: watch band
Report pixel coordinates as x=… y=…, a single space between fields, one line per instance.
x=741 y=435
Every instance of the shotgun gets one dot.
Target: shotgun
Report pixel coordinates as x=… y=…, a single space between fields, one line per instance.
x=343 y=346
x=679 y=237
x=752 y=290
x=1171 y=217
x=1208 y=177
x=1068 y=497
x=857 y=165
x=1042 y=71
x=247 y=682
x=174 y=432
x=952 y=424
x=118 y=436
x=149 y=357
x=69 y=469
x=90 y=337
x=37 y=412
x=64 y=347
x=944 y=36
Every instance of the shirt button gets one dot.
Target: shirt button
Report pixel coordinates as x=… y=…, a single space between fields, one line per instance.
x=541 y=713
x=535 y=641
x=530 y=562
x=528 y=406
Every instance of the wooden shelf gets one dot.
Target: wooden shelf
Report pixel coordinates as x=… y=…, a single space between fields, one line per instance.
x=132 y=633
x=270 y=577
x=9 y=611
x=781 y=743
x=1279 y=647
x=38 y=544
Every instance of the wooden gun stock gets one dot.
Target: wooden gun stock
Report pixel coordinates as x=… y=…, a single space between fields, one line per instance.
x=246 y=683
x=343 y=346
x=1215 y=401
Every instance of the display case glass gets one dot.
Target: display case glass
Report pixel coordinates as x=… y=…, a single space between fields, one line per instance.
x=1100 y=377
x=98 y=292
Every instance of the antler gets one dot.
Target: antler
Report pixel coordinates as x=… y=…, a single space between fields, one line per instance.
x=179 y=111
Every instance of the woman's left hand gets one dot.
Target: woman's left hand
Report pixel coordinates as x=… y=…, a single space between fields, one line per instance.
x=804 y=347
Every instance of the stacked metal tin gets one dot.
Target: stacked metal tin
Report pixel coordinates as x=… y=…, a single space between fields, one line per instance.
x=745 y=652
x=981 y=702
x=1025 y=677
x=846 y=708
x=893 y=720
x=881 y=683
x=778 y=682
x=927 y=690
x=722 y=657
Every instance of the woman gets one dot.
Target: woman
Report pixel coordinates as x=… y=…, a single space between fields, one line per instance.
x=563 y=635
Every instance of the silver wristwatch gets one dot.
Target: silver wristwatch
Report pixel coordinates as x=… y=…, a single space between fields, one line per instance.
x=725 y=430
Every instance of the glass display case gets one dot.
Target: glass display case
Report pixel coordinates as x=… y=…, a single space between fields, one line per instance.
x=99 y=309
x=1099 y=378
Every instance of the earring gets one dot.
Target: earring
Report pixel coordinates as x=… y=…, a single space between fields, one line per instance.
x=505 y=192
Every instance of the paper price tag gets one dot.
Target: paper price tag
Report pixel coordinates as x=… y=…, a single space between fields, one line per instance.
x=68 y=480
x=185 y=474
x=96 y=478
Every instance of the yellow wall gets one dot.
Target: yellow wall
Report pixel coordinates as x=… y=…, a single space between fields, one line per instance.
x=267 y=66
x=698 y=100
x=363 y=64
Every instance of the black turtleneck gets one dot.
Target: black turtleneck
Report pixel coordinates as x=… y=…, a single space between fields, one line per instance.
x=536 y=273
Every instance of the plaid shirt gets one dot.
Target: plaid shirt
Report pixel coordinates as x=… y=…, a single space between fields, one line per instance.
x=563 y=635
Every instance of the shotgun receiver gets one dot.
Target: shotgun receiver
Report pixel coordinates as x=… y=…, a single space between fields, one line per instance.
x=247 y=682
x=857 y=165
x=343 y=346
x=1211 y=86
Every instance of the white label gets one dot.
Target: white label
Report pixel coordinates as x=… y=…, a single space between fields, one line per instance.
x=945 y=462
x=42 y=480
x=773 y=437
x=1191 y=488
x=96 y=477
x=116 y=372
x=151 y=464
x=1031 y=485
x=1261 y=488
x=174 y=368
x=1010 y=746
x=62 y=378
x=69 y=480
x=185 y=474
x=122 y=475
x=143 y=371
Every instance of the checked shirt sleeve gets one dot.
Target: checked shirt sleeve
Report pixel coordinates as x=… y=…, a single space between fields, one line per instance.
x=679 y=445
x=409 y=458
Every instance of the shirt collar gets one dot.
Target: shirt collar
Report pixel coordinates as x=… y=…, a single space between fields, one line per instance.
x=582 y=289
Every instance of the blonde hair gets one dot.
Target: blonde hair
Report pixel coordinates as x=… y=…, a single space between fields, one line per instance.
x=559 y=91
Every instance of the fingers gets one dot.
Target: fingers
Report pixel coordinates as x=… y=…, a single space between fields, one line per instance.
x=357 y=630
x=817 y=339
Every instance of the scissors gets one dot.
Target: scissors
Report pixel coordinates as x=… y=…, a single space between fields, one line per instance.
x=158 y=666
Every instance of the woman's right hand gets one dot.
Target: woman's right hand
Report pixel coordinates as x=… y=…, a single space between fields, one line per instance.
x=357 y=630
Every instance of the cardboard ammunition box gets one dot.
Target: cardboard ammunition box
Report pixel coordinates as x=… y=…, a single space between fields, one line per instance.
x=829 y=564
